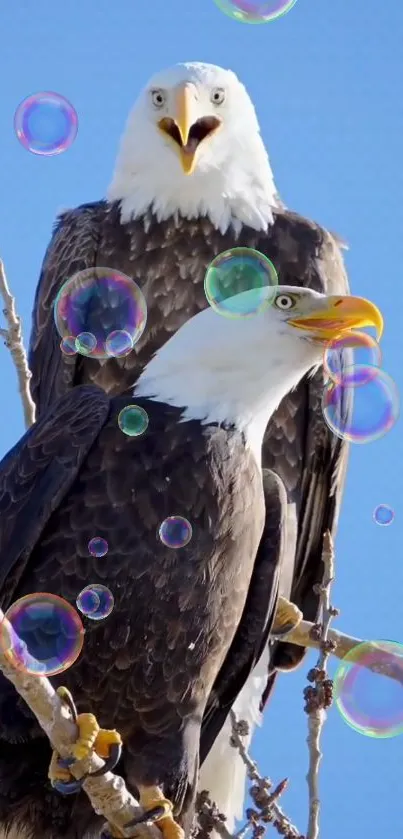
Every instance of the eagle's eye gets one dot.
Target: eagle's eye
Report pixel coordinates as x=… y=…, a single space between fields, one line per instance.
x=217 y=95
x=284 y=301
x=158 y=97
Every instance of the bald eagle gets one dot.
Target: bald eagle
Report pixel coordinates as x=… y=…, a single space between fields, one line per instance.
x=189 y=622
x=193 y=180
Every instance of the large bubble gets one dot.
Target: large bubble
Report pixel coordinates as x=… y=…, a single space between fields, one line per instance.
x=240 y=283
x=375 y=405
x=255 y=11
x=102 y=310
x=46 y=123
x=371 y=702
x=46 y=634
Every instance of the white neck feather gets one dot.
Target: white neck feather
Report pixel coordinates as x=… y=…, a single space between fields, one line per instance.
x=221 y=371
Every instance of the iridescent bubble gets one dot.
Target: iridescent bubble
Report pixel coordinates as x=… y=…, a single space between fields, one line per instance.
x=119 y=343
x=175 y=532
x=68 y=345
x=85 y=343
x=255 y=11
x=374 y=411
x=133 y=420
x=240 y=283
x=352 y=359
x=105 y=598
x=383 y=515
x=98 y=546
x=370 y=701
x=100 y=301
x=46 y=634
x=88 y=601
x=46 y=123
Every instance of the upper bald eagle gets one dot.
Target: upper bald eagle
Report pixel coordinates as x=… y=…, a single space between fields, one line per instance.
x=192 y=180
x=189 y=622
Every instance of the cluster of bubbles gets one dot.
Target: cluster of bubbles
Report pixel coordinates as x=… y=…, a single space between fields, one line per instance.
x=255 y=11
x=44 y=634
x=46 y=123
x=95 y=602
x=175 y=532
x=383 y=515
x=368 y=688
x=133 y=420
x=100 y=313
x=240 y=283
x=360 y=400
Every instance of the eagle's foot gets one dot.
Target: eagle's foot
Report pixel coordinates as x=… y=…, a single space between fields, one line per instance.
x=287 y=617
x=106 y=744
x=158 y=810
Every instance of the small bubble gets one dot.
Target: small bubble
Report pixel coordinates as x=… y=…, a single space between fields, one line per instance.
x=119 y=343
x=88 y=601
x=98 y=546
x=133 y=420
x=85 y=343
x=46 y=123
x=105 y=601
x=383 y=515
x=175 y=532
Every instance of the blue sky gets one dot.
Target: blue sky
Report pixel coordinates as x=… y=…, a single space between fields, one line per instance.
x=326 y=80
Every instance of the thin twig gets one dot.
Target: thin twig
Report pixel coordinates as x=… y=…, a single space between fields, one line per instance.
x=107 y=793
x=13 y=341
x=262 y=794
x=319 y=697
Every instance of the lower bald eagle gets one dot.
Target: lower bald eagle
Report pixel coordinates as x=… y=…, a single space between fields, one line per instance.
x=188 y=624
x=192 y=180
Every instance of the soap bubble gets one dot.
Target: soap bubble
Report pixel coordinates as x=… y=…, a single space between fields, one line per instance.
x=93 y=593
x=383 y=515
x=240 y=282
x=133 y=420
x=352 y=358
x=46 y=123
x=175 y=532
x=255 y=11
x=371 y=702
x=102 y=310
x=97 y=546
x=375 y=406
x=46 y=634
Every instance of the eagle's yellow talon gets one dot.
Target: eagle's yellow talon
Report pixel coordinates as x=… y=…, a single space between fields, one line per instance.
x=88 y=732
x=104 y=740
x=152 y=797
x=286 y=618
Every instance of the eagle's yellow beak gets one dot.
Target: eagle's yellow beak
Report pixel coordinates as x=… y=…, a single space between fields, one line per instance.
x=186 y=128
x=338 y=315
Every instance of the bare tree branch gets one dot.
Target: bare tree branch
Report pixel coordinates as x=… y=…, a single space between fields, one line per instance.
x=107 y=793
x=306 y=635
x=319 y=697
x=13 y=340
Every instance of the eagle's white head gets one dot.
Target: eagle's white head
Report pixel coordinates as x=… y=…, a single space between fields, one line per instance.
x=192 y=147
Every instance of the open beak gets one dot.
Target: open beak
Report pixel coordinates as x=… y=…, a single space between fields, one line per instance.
x=339 y=315
x=185 y=129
